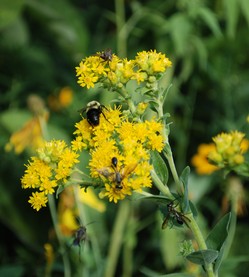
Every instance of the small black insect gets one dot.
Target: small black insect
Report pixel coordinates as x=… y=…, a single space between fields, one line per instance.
x=118 y=177
x=176 y=215
x=93 y=111
x=106 y=55
x=80 y=235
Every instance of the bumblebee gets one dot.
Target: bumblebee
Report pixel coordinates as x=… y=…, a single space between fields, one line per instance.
x=179 y=217
x=106 y=55
x=114 y=174
x=93 y=111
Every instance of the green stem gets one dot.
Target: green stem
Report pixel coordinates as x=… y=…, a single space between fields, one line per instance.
x=52 y=208
x=120 y=22
x=169 y=157
x=85 y=219
x=192 y=224
x=116 y=238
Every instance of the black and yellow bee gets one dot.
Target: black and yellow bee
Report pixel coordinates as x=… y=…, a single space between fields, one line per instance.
x=93 y=111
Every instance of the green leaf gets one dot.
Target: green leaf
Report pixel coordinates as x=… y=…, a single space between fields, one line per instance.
x=184 y=178
x=217 y=238
x=160 y=199
x=232 y=16
x=151 y=273
x=9 y=11
x=193 y=209
x=160 y=167
x=211 y=20
x=180 y=30
x=219 y=233
x=203 y=257
x=245 y=9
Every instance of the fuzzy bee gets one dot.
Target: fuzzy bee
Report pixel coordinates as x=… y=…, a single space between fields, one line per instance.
x=116 y=175
x=93 y=111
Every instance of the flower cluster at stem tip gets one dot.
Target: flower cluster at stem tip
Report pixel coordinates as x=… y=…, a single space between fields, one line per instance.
x=128 y=142
x=146 y=67
x=119 y=146
x=51 y=168
x=226 y=152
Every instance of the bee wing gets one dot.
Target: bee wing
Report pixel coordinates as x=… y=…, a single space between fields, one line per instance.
x=106 y=172
x=128 y=169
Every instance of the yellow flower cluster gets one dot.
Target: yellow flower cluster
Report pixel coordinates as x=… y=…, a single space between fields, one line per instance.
x=200 y=159
x=229 y=151
x=119 y=152
x=146 y=67
x=52 y=167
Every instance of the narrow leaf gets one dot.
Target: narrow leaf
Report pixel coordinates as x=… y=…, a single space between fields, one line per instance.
x=245 y=9
x=211 y=20
x=232 y=16
x=184 y=178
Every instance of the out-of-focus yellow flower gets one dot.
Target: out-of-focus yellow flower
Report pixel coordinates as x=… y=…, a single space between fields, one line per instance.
x=229 y=149
x=200 y=160
x=31 y=134
x=49 y=254
x=235 y=194
x=61 y=100
x=89 y=198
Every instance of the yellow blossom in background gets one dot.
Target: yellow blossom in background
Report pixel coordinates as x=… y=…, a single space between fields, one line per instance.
x=30 y=136
x=49 y=254
x=200 y=159
x=61 y=100
x=51 y=168
x=229 y=149
x=89 y=198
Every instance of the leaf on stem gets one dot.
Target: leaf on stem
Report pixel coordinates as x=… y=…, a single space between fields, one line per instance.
x=184 y=178
x=216 y=240
x=160 y=167
x=203 y=257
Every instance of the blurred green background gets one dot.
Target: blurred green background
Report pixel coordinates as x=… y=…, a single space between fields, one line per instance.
x=41 y=42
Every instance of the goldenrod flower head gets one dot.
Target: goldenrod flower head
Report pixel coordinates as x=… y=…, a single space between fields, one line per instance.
x=51 y=168
x=38 y=200
x=117 y=72
x=229 y=149
x=200 y=160
x=128 y=143
x=152 y=62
